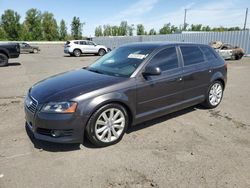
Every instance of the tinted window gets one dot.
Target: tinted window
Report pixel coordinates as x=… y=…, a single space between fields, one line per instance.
x=191 y=55
x=208 y=53
x=165 y=59
x=76 y=42
x=83 y=42
x=90 y=43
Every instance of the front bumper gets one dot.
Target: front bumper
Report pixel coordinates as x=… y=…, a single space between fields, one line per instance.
x=60 y=128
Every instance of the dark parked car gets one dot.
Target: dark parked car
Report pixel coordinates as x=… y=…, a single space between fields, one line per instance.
x=27 y=48
x=129 y=85
x=7 y=51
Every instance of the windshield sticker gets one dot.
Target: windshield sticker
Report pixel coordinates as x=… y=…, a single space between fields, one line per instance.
x=137 y=56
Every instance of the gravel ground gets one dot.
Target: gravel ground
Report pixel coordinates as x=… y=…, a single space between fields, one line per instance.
x=191 y=148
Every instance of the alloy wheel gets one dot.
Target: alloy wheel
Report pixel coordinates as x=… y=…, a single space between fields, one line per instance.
x=110 y=125
x=215 y=94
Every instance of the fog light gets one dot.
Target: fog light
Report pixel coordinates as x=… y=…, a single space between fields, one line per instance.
x=56 y=133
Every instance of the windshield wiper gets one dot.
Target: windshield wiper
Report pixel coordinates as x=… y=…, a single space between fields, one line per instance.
x=95 y=70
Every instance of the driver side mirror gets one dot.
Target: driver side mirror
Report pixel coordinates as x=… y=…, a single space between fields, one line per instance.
x=151 y=71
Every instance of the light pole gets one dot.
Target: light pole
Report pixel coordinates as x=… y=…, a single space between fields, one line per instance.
x=185 y=16
x=245 y=23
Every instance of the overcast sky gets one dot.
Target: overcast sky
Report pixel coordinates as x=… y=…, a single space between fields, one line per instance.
x=151 y=13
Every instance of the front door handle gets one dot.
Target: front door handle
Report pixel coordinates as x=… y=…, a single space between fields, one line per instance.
x=179 y=79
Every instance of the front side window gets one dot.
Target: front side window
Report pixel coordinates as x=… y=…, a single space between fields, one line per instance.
x=121 y=62
x=191 y=55
x=91 y=43
x=165 y=59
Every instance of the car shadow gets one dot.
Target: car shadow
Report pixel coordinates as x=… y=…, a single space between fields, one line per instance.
x=50 y=146
x=14 y=64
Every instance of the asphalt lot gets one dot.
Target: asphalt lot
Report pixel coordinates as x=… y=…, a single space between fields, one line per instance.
x=191 y=148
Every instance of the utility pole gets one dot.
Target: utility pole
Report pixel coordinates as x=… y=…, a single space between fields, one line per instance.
x=185 y=16
x=245 y=23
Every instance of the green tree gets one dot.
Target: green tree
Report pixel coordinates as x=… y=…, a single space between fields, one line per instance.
x=174 y=29
x=123 y=28
x=98 y=31
x=195 y=27
x=32 y=26
x=152 y=32
x=140 y=29
x=3 y=35
x=206 y=28
x=115 y=30
x=63 y=31
x=166 y=29
x=10 y=22
x=107 y=30
x=50 y=28
x=76 y=28
x=131 y=30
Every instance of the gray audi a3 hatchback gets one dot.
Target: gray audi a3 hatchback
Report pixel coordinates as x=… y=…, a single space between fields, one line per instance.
x=131 y=84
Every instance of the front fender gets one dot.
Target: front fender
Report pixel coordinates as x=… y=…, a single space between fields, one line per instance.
x=91 y=105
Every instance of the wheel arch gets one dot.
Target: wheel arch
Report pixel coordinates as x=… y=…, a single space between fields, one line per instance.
x=100 y=101
x=102 y=49
x=77 y=49
x=3 y=51
x=218 y=76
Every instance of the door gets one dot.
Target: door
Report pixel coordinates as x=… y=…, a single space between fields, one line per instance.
x=196 y=73
x=161 y=92
x=83 y=46
x=91 y=46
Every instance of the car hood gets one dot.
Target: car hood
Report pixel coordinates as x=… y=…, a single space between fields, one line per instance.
x=65 y=86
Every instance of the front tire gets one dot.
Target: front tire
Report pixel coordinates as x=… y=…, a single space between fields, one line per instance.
x=214 y=95
x=107 y=125
x=35 y=51
x=3 y=60
x=101 y=52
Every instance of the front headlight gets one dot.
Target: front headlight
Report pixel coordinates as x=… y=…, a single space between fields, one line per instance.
x=60 y=107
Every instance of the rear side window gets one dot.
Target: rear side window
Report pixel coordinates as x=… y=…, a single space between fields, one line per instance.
x=165 y=59
x=208 y=53
x=192 y=55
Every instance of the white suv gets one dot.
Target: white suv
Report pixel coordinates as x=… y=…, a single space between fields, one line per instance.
x=78 y=47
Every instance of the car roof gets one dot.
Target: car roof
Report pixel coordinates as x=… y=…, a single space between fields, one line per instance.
x=159 y=44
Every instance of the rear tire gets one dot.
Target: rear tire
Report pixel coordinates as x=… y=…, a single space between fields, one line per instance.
x=101 y=52
x=3 y=60
x=77 y=53
x=214 y=95
x=107 y=125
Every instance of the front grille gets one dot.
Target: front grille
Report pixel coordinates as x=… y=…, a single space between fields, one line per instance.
x=31 y=104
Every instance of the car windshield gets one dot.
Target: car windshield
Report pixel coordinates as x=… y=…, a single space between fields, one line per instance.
x=121 y=62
